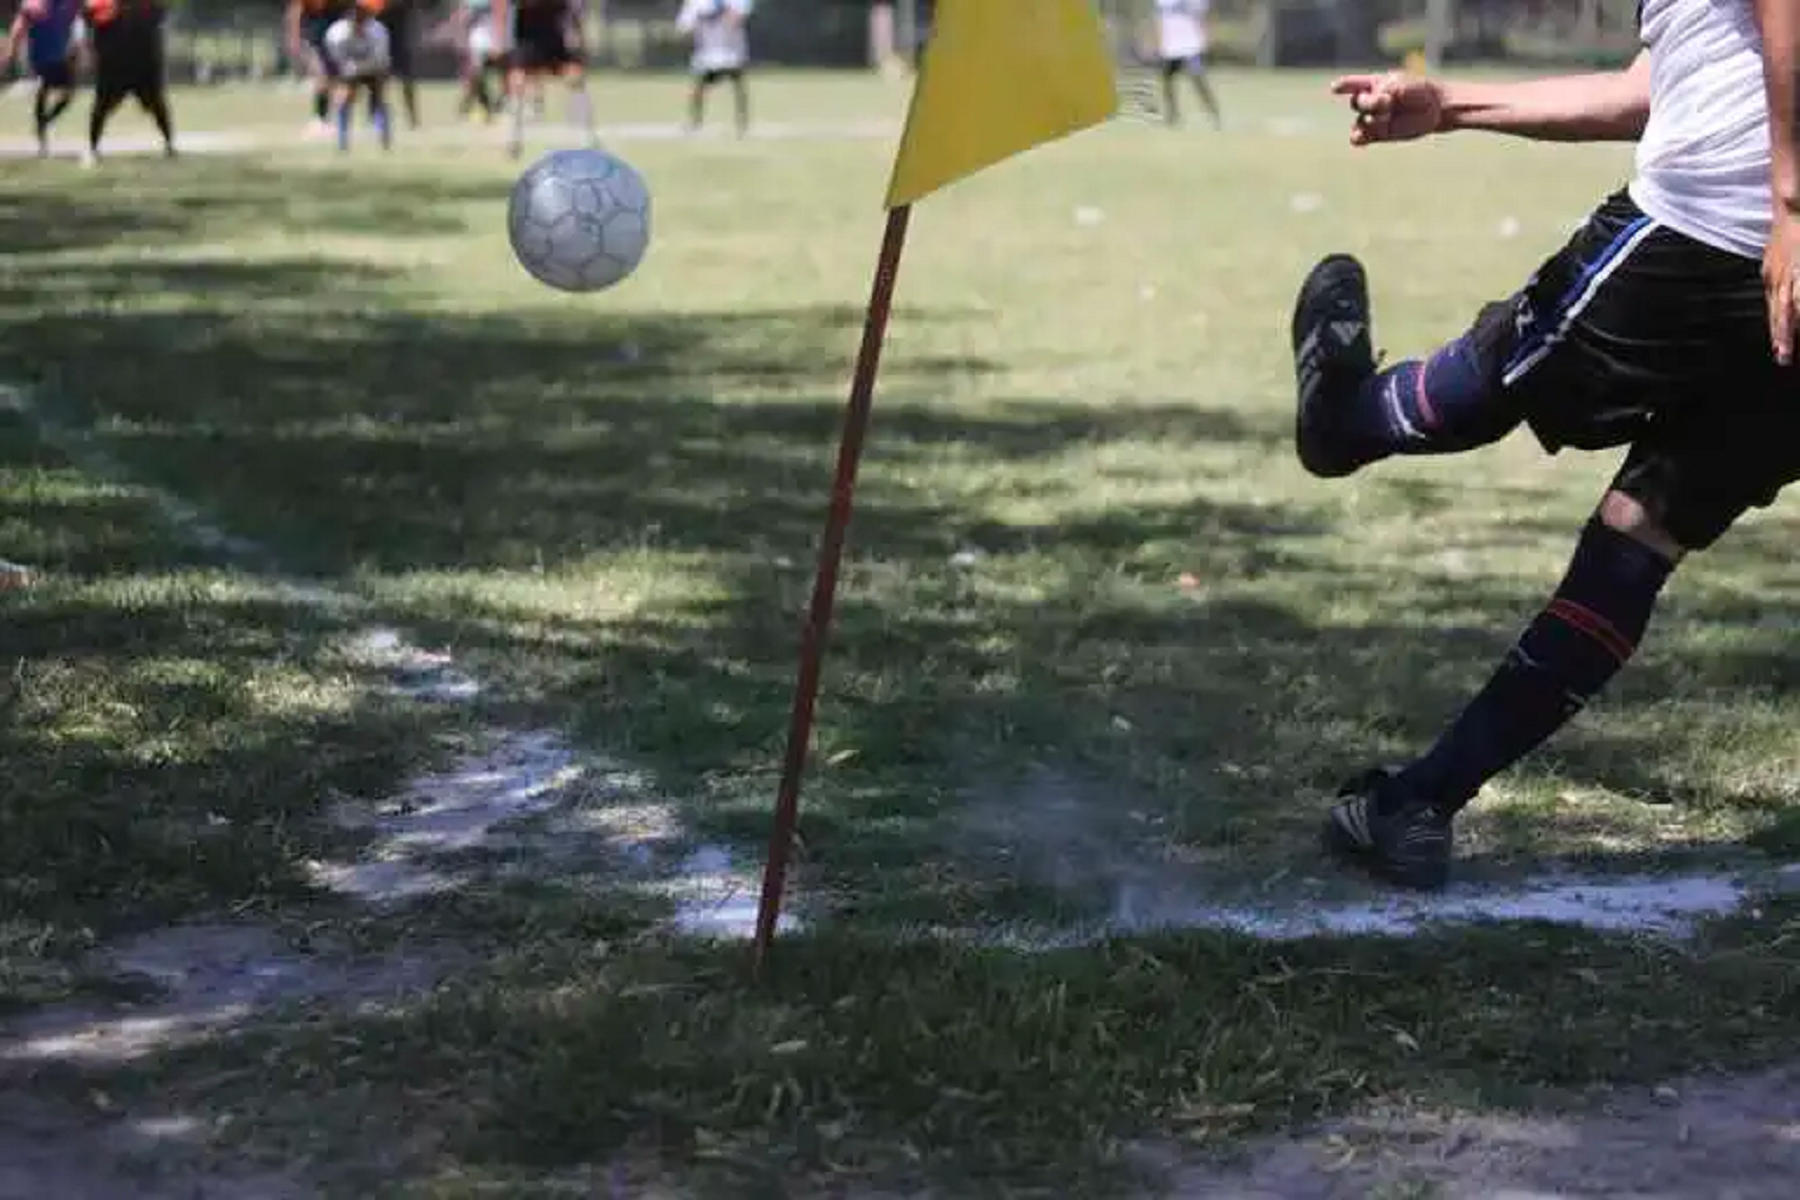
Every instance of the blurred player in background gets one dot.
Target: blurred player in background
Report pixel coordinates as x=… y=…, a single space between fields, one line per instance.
x=46 y=31
x=1181 y=43
x=544 y=38
x=127 y=39
x=398 y=17
x=482 y=55
x=307 y=23
x=721 y=54
x=359 y=46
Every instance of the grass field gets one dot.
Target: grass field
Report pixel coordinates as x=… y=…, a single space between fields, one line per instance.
x=1101 y=643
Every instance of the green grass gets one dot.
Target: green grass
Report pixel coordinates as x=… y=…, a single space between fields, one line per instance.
x=607 y=507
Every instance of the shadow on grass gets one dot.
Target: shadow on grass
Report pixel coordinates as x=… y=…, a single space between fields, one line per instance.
x=149 y=711
x=308 y=409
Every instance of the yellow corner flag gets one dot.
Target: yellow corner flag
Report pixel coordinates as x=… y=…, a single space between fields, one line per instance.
x=999 y=77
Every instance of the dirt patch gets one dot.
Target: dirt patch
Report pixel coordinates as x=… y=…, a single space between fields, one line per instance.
x=202 y=979
x=1713 y=1139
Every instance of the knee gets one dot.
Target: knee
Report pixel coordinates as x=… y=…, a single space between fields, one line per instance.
x=1627 y=515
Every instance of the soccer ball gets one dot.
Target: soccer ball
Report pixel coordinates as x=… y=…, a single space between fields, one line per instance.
x=579 y=220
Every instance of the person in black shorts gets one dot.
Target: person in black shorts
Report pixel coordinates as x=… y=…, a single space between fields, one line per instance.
x=398 y=17
x=545 y=39
x=1665 y=326
x=127 y=40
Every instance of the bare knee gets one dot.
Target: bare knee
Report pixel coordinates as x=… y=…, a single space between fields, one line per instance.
x=1627 y=515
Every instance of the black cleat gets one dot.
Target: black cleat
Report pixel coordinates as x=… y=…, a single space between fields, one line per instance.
x=1333 y=354
x=1393 y=834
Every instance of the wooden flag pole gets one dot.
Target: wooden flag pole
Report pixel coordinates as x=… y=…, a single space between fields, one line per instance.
x=831 y=553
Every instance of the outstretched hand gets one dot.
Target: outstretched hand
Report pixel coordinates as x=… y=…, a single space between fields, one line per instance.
x=1394 y=107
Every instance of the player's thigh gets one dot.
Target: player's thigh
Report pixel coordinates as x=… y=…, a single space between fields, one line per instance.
x=55 y=74
x=1626 y=320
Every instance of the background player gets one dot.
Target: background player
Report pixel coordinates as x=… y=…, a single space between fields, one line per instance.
x=483 y=54
x=46 y=31
x=544 y=38
x=1181 y=42
x=127 y=39
x=1665 y=325
x=307 y=23
x=359 y=46
x=721 y=54
x=399 y=18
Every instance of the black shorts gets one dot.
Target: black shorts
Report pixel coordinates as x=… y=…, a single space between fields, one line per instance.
x=1193 y=64
x=398 y=23
x=56 y=73
x=312 y=32
x=131 y=75
x=542 y=43
x=718 y=75
x=1636 y=335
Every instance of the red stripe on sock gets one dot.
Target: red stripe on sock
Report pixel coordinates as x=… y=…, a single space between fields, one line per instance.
x=1585 y=619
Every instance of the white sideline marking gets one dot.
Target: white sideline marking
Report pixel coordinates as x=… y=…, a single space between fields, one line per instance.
x=523 y=775
x=472 y=805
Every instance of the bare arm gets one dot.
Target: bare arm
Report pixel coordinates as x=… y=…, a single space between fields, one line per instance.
x=1779 y=21
x=1609 y=106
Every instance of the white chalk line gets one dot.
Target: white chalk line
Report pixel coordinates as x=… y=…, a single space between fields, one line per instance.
x=473 y=805
x=535 y=774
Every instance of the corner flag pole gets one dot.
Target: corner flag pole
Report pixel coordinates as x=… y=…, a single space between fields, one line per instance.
x=831 y=553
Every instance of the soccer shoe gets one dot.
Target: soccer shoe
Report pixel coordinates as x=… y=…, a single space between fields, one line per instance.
x=1395 y=835
x=1333 y=354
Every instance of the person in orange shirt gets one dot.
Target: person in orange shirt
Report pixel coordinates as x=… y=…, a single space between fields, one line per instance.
x=127 y=39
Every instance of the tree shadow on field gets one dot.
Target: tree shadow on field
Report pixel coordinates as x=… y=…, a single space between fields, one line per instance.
x=159 y=206
x=310 y=409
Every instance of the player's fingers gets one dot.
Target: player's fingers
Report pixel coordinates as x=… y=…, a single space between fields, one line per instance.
x=1351 y=85
x=1781 y=317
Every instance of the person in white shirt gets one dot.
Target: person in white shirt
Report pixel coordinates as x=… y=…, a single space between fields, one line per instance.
x=1665 y=326
x=1181 y=44
x=359 y=46
x=721 y=55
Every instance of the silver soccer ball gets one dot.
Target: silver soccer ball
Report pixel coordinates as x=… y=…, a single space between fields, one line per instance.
x=579 y=220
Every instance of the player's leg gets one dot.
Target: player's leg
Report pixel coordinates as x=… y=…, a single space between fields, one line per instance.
x=110 y=91
x=318 y=70
x=518 y=80
x=1463 y=394
x=1195 y=69
x=344 y=92
x=1634 y=361
x=740 y=98
x=573 y=69
x=379 y=117
x=400 y=66
x=698 y=86
x=152 y=93
x=1171 y=67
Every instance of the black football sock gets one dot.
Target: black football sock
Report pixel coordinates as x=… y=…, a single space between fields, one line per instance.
x=1584 y=635
x=1439 y=405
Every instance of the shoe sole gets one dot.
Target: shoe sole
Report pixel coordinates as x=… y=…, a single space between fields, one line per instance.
x=1329 y=274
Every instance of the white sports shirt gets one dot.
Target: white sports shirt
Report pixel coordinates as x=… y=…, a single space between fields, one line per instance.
x=719 y=44
x=1181 y=27
x=1703 y=160
x=358 y=52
